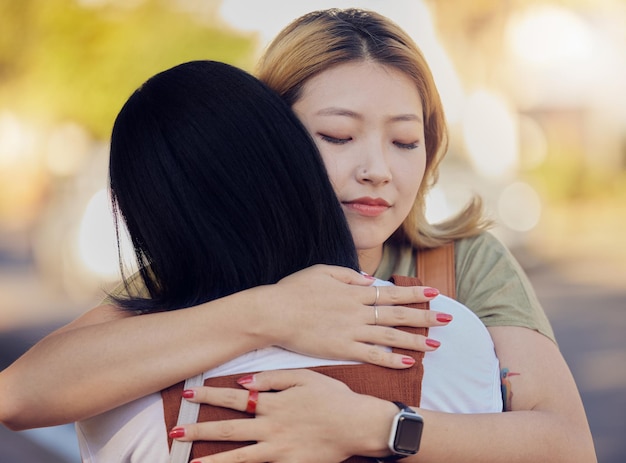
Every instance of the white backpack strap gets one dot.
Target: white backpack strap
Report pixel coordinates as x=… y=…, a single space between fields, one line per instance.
x=188 y=413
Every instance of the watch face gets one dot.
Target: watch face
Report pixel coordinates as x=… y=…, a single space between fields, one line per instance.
x=408 y=434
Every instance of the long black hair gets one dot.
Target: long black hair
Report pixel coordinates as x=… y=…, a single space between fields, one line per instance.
x=220 y=186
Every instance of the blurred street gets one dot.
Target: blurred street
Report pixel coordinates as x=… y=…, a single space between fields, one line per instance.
x=589 y=322
x=588 y=319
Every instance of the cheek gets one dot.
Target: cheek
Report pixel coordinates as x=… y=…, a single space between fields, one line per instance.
x=334 y=169
x=410 y=176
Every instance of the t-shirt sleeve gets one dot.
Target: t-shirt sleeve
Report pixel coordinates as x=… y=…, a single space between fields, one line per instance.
x=493 y=285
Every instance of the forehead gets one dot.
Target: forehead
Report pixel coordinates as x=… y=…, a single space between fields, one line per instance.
x=363 y=84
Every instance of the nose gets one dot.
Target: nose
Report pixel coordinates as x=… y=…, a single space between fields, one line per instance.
x=374 y=167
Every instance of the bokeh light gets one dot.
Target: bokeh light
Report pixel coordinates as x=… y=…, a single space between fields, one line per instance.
x=97 y=242
x=490 y=134
x=519 y=207
x=555 y=53
x=96 y=237
x=546 y=35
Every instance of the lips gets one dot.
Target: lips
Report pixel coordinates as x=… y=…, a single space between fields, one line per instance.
x=367 y=207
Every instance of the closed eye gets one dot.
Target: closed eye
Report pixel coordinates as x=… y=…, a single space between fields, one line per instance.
x=407 y=146
x=334 y=140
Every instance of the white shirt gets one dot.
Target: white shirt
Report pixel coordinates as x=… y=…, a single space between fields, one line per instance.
x=461 y=376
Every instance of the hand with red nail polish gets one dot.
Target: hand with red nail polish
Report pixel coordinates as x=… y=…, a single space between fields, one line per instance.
x=431 y=292
x=189 y=393
x=177 y=432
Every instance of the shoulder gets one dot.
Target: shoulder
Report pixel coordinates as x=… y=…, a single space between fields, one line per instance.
x=484 y=243
x=493 y=285
x=482 y=254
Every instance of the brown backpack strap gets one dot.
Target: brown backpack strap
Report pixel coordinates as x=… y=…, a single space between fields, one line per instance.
x=435 y=267
x=403 y=385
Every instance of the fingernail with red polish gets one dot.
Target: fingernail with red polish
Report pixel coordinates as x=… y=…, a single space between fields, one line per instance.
x=431 y=292
x=432 y=342
x=177 y=433
x=368 y=276
x=408 y=360
x=189 y=394
x=444 y=317
x=245 y=379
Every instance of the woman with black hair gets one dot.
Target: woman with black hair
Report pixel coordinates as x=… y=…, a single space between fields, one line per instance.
x=221 y=190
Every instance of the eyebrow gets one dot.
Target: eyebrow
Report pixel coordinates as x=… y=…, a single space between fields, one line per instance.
x=406 y=117
x=334 y=111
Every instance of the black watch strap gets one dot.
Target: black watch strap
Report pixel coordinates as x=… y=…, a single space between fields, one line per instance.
x=404 y=407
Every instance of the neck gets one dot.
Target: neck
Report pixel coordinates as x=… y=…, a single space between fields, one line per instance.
x=369 y=259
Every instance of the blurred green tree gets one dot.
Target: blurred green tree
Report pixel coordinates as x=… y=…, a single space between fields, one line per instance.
x=80 y=59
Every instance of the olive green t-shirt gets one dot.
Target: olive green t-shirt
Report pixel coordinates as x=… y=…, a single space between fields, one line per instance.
x=489 y=281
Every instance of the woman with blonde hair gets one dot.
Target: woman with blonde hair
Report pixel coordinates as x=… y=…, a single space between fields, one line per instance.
x=358 y=81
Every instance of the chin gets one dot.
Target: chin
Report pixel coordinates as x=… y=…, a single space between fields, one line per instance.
x=367 y=244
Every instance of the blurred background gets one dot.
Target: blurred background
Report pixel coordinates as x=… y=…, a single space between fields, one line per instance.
x=535 y=95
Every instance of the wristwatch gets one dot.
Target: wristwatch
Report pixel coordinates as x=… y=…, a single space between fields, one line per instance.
x=406 y=433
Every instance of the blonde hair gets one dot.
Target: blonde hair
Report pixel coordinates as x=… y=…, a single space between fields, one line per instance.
x=322 y=39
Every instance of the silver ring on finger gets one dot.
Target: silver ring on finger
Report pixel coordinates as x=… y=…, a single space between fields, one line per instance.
x=375 y=315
